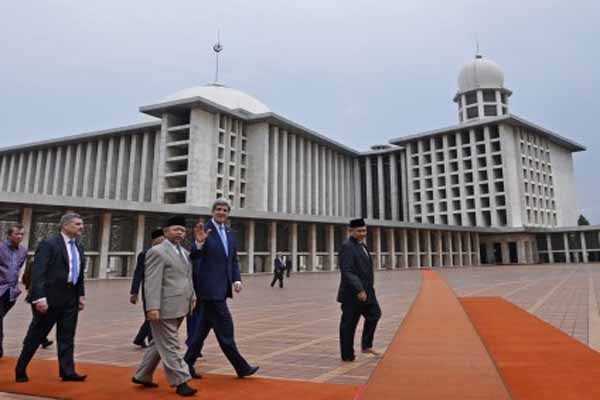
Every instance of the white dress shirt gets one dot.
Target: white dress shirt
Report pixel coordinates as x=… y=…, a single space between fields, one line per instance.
x=68 y=245
x=177 y=251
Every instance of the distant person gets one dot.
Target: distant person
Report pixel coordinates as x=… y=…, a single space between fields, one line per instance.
x=169 y=294
x=356 y=292
x=12 y=258
x=144 y=332
x=57 y=296
x=288 y=266
x=278 y=271
x=216 y=272
x=26 y=280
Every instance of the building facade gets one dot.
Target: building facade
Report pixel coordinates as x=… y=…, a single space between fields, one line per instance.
x=482 y=191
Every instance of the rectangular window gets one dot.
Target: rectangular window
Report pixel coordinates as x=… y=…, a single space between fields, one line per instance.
x=472 y=112
x=490 y=111
x=489 y=96
x=471 y=98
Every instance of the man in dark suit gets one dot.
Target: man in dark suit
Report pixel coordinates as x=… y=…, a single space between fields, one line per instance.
x=216 y=271
x=57 y=295
x=288 y=266
x=356 y=292
x=278 y=271
x=144 y=333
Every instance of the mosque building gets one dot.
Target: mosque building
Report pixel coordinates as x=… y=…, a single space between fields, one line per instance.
x=494 y=188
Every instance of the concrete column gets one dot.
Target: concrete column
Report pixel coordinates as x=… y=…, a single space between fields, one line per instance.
x=381 y=186
x=284 y=182
x=391 y=248
x=275 y=170
x=139 y=233
x=317 y=194
x=394 y=186
x=469 y=249
x=46 y=187
x=330 y=264
x=377 y=244
x=505 y=255
x=369 y=184
x=439 y=249
x=309 y=179
x=477 y=251
x=403 y=173
x=131 y=170
x=450 y=246
x=58 y=160
x=98 y=168
x=144 y=168
x=521 y=252
x=272 y=245
x=357 y=184
x=459 y=249
x=108 y=179
x=11 y=173
x=20 y=174
x=428 y=255
x=567 y=252
x=549 y=246
x=26 y=221
x=87 y=178
x=301 y=176
x=325 y=210
x=105 y=223
x=294 y=249
x=293 y=184
x=38 y=171
x=29 y=173
x=312 y=248
x=404 y=244
x=417 y=248
x=250 y=239
x=120 y=167
x=584 y=248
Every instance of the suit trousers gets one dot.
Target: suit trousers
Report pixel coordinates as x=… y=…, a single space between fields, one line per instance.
x=217 y=317
x=65 y=318
x=351 y=313
x=143 y=333
x=5 y=306
x=278 y=276
x=165 y=346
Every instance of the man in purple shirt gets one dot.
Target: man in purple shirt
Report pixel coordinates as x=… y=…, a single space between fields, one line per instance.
x=12 y=258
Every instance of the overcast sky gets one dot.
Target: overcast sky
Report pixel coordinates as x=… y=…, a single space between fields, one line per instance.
x=360 y=72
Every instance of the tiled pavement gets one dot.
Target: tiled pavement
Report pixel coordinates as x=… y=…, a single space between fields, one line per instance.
x=292 y=332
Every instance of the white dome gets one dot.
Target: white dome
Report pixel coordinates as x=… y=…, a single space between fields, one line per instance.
x=222 y=95
x=480 y=73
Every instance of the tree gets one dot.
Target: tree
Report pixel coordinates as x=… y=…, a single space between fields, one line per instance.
x=582 y=220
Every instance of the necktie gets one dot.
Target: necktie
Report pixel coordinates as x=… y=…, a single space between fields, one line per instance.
x=181 y=254
x=223 y=235
x=74 y=262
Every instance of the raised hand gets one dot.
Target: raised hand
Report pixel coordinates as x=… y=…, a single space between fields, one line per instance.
x=200 y=234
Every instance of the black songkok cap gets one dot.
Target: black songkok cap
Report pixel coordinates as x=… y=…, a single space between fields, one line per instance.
x=157 y=233
x=357 y=223
x=176 y=220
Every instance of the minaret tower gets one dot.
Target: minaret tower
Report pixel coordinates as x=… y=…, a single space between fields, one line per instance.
x=481 y=92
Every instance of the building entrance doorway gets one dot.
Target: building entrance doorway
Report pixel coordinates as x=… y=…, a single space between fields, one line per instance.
x=513 y=258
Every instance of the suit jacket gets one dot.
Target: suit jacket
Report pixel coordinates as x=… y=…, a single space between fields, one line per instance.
x=168 y=285
x=356 y=268
x=214 y=271
x=50 y=272
x=278 y=265
x=138 y=274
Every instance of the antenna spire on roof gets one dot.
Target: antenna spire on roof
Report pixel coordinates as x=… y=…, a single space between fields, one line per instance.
x=217 y=48
x=477 y=50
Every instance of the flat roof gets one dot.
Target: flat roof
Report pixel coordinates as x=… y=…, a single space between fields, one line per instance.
x=82 y=137
x=509 y=118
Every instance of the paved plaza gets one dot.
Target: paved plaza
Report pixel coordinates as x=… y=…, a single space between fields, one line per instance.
x=292 y=332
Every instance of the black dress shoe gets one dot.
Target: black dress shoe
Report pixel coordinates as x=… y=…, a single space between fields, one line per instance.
x=348 y=359
x=184 y=390
x=250 y=372
x=143 y=383
x=21 y=377
x=141 y=343
x=47 y=344
x=74 y=378
x=193 y=373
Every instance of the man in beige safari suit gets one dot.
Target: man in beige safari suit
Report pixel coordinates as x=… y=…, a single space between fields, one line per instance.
x=170 y=296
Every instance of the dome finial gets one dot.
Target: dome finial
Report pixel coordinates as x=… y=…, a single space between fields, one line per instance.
x=217 y=48
x=477 y=50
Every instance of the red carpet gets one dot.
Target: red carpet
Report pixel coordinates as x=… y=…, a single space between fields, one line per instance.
x=536 y=360
x=436 y=354
x=106 y=382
